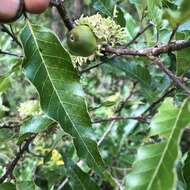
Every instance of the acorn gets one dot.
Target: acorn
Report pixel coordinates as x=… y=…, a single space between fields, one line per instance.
x=81 y=41
x=36 y=6
x=10 y=10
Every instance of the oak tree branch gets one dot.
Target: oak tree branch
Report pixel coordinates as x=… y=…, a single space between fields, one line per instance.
x=153 y=51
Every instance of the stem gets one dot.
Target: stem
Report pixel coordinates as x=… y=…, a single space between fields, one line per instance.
x=154 y=51
x=158 y=62
x=117 y=118
x=142 y=31
x=18 y=156
x=64 y=15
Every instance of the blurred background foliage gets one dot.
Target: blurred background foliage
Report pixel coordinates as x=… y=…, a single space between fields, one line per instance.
x=107 y=88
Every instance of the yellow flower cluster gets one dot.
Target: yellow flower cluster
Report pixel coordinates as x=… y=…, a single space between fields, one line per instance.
x=56 y=158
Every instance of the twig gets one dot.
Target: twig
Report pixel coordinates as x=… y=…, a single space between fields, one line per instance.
x=90 y=68
x=10 y=125
x=154 y=51
x=63 y=184
x=12 y=35
x=15 y=161
x=64 y=15
x=158 y=62
x=117 y=118
x=148 y=111
x=145 y=52
x=122 y=104
x=9 y=53
x=173 y=33
x=159 y=100
x=139 y=34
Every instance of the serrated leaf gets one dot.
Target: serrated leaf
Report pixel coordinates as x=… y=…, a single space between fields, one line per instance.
x=154 y=168
x=49 y=67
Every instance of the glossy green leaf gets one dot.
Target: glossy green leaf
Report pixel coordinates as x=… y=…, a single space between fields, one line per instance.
x=131 y=26
x=120 y=17
x=34 y=125
x=49 y=67
x=154 y=168
x=154 y=12
x=37 y=124
x=79 y=179
x=140 y=5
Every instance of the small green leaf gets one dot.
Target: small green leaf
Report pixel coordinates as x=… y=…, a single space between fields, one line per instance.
x=37 y=124
x=106 y=7
x=120 y=17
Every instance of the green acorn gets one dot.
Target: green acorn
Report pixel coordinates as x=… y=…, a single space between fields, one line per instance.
x=81 y=41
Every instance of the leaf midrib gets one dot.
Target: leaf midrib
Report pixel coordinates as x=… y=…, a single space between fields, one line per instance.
x=166 y=147
x=58 y=94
